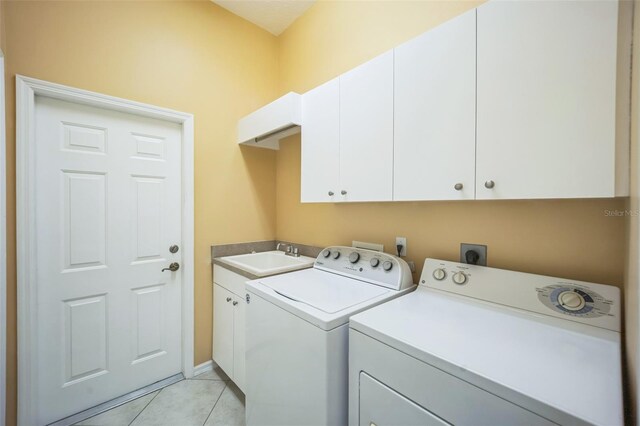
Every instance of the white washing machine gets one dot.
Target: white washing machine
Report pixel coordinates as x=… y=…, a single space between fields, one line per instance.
x=297 y=334
x=481 y=346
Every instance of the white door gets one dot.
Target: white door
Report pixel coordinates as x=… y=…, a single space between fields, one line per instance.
x=366 y=131
x=320 y=163
x=546 y=99
x=108 y=196
x=435 y=113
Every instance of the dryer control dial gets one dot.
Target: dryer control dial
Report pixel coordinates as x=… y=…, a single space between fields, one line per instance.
x=571 y=300
x=574 y=300
x=439 y=274
x=459 y=278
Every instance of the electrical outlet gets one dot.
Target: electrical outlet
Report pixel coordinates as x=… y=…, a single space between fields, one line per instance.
x=401 y=241
x=478 y=248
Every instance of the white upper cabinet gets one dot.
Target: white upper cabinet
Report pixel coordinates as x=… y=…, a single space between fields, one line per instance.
x=366 y=131
x=512 y=100
x=434 y=110
x=265 y=127
x=321 y=144
x=546 y=99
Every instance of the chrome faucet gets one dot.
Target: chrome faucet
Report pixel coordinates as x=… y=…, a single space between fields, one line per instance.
x=290 y=251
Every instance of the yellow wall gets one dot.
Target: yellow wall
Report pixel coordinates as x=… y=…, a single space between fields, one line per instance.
x=196 y=57
x=570 y=238
x=189 y=56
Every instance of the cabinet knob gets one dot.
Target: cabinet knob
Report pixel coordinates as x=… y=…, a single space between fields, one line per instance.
x=489 y=184
x=458 y=186
x=330 y=193
x=228 y=299
x=343 y=192
x=235 y=302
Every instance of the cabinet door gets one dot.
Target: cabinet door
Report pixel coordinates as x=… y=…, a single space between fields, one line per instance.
x=321 y=144
x=366 y=131
x=223 y=329
x=239 y=333
x=434 y=113
x=546 y=99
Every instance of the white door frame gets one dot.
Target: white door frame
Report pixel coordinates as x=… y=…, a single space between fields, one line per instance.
x=3 y=250
x=26 y=91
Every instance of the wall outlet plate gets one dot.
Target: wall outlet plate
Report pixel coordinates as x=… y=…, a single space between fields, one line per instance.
x=403 y=241
x=478 y=248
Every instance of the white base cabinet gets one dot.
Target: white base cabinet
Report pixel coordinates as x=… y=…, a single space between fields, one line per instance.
x=229 y=307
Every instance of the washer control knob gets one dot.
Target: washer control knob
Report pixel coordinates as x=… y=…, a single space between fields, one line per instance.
x=439 y=274
x=354 y=257
x=336 y=254
x=387 y=265
x=571 y=300
x=459 y=278
x=374 y=261
x=326 y=253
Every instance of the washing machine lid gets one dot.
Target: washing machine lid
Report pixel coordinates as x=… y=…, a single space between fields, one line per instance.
x=325 y=299
x=324 y=291
x=560 y=369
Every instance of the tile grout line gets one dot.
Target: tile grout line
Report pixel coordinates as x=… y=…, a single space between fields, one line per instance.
x=145 y=407
x=216 y=403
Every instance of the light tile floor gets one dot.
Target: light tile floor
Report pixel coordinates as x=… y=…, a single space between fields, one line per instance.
x=209 y=399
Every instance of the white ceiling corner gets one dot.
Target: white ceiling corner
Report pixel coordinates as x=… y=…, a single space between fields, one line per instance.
x=274 y=16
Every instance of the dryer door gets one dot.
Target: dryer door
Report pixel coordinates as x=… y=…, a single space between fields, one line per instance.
x=382 y=406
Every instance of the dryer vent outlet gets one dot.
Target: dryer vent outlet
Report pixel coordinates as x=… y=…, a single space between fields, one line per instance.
x=475 y=254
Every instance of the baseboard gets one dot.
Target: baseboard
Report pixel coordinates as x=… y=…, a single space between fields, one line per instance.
x=203 y=368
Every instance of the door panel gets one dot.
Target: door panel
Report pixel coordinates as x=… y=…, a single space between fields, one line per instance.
x=546 y=99
x=84 y=202
x=434 y=113
x=366 y=131
x=108 y=206
x=85 y=338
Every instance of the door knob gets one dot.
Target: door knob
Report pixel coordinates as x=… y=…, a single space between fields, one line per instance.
x=173 y=267
x=489 y=184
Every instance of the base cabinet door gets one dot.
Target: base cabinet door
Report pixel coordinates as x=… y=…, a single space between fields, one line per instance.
x=546 y=99
x=239 y=338
x=434 y=113
x=223 y=329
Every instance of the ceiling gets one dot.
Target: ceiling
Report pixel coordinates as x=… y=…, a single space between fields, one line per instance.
x=274 y=16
